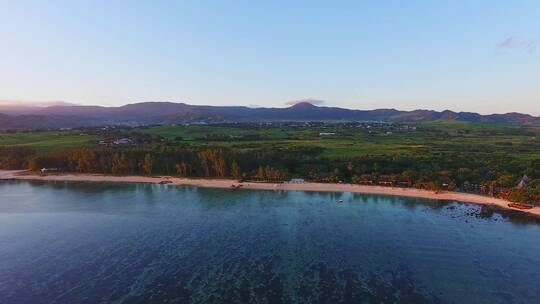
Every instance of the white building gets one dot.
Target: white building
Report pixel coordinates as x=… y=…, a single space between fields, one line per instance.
x=296 y=181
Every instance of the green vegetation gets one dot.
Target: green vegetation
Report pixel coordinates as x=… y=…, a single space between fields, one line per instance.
x=486 y=158
x=46 y=141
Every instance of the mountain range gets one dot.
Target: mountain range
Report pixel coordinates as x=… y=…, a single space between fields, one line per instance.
x=144 y=113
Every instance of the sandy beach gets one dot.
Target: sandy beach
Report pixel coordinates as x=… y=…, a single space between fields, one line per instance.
x=227 y=183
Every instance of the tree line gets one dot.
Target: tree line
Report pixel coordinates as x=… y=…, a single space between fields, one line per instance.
x=490 y=174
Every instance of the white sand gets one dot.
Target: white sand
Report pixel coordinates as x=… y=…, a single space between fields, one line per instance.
x=227 y=183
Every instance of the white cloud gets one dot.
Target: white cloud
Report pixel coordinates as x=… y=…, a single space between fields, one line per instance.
x=312 y=101
x=513 y=42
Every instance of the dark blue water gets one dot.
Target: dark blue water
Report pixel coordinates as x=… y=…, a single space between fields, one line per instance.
x=105 y=243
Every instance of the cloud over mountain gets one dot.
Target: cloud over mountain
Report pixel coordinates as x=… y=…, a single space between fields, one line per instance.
x=313 y=101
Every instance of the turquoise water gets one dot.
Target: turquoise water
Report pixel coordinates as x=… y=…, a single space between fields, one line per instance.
x=111 y=243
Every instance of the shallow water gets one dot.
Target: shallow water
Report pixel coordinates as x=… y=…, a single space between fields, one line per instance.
x=110 y=243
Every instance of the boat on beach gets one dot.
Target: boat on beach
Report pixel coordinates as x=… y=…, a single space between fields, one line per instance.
x=236 y=187
x=520 y=206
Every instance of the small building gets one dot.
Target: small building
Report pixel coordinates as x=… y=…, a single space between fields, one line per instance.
x=123 y=141
x=404 y=183
x=116 y=142
x=106 y=142
x=523 y=182
x=366 y=179
x=327 y=134
x=445 y=181
x=386 y=180
x=296 y=181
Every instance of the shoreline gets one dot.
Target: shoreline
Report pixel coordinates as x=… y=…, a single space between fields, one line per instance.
x=312 y=187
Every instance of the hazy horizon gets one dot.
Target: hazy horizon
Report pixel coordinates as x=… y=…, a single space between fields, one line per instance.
x=479 y=56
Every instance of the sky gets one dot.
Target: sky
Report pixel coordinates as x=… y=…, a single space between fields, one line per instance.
x=481 y=56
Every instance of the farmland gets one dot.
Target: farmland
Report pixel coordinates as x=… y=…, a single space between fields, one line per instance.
x=347 y=141
x=468 y=155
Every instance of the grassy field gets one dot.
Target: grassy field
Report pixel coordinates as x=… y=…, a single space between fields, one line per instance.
x=349 y=141
x=475 y=157
x=45 y=142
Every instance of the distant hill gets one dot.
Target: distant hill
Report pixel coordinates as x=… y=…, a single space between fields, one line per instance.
x=61 y=116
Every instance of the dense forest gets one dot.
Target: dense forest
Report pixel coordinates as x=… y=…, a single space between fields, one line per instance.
x=453 y=171
x=487 y=159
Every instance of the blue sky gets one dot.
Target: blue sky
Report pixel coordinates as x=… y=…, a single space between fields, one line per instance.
x=481 y=56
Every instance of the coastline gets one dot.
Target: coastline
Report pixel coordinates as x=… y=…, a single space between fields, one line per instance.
x=315 y=187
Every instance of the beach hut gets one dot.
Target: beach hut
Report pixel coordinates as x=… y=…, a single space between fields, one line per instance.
x=404 y=183
x=296 y=181
x=445 y=181
x=386 y=180
x=366 y=179
x=523 y=182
